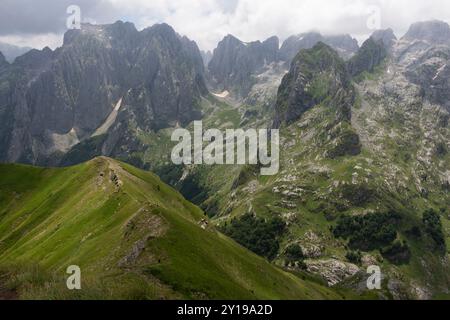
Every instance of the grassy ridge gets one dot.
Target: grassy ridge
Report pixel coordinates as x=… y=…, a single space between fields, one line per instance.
x=133 y=237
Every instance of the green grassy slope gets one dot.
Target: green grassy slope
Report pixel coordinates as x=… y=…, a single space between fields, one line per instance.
x=133 y=237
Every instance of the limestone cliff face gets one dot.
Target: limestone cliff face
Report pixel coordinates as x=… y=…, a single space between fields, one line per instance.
x=58 y=98
x=387 y=37
x=435 y=32
x=345 y=45
x=316 y=76
x=424 y=52
x=371 y=55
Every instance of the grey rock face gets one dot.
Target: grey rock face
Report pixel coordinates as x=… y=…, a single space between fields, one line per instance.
x=61 y=97
x=436 y=32
x=371 y=54
x=292 y=45
x=344 y=44
x=316 y=74
x=3 y=62
x=424 y=54
x=431 y=71
x=387 y=37
x=234 y=63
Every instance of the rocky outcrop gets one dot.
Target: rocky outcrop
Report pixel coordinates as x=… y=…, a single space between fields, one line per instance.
x=292 y=45
x=316 y=75
x=66 y=94
x=234 y=63
x=371 y=54
x=424 y=52
x=431 y=71
x=333 y=271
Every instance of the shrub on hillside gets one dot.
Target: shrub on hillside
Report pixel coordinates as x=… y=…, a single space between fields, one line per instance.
x=354 y=256
x=397 y=253
x=368 y=232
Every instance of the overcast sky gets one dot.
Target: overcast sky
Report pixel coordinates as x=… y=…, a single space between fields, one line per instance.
x=39 y=23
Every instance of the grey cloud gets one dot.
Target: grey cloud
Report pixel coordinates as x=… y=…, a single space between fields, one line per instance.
x=45 y=16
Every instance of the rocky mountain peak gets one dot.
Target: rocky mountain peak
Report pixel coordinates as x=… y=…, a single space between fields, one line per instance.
x=437 y=32
x=161 y=29
x=272 y=42
x=229 y=38
x=387 y=36
x=11 y=52
x=316 y=74
x=35 y=59
x=371 y=54
x=122 y=28
x=292 y=45
x=69 y=93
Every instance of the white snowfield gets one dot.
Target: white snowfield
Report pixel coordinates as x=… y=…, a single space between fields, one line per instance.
x=222 y=95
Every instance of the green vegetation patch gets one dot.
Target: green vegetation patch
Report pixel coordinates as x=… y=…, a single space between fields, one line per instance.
x=368 y=232
x=257 y=234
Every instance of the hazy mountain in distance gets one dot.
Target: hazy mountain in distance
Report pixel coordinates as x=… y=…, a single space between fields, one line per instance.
x=59 y=98
x=206 y=56
x=386 y=36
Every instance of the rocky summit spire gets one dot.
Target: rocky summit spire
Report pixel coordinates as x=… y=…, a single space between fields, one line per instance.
x=387 y=36
x=434 y=31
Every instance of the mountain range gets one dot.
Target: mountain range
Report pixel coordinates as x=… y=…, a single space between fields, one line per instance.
x=11 y=52
x=364 y=171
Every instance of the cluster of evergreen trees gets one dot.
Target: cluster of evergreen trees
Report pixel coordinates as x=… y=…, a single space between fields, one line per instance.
x=257 y=234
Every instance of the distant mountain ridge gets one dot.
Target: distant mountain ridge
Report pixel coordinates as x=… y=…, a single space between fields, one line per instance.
x=345 y=45
x=235 y=63
x=61 y=97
